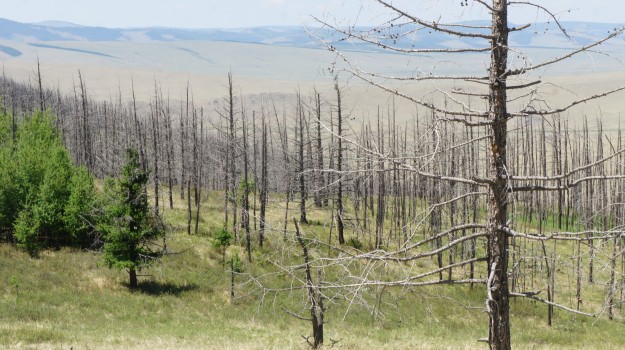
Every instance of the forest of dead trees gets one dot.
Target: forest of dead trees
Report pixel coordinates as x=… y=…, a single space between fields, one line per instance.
x=368 y=172
x=528 y=203
x=494 y=197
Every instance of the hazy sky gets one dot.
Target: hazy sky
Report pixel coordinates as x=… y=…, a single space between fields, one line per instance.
x=246 y=13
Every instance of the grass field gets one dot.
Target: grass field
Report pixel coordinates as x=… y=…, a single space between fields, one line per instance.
x=68 y=298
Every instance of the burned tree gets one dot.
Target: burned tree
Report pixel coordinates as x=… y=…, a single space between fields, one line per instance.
x=511 y=95
x=300 y=159
x=339 y=165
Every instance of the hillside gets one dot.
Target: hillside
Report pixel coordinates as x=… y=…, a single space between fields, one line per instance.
x=362 y=195
x=183 y=302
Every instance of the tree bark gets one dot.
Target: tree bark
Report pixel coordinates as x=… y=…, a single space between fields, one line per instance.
x=497 y=302
x=320 y=175
x=263 y=188
x=189 y=213
x=170 y=152
x=155 y=140
x=132 y=273
x=246 y=195
x=301 y=177
x=339 y=166
x=314 y=295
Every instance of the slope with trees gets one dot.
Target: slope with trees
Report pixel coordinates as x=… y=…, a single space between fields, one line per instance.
x=485 y=185
x=512 y=95
x=128 y=228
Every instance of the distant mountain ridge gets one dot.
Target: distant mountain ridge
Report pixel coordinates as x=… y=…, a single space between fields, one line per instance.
x=64 y=31
x=539 y=35
x=57 y=24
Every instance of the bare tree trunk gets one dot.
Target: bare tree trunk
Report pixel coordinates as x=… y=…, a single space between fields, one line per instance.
x=154 y=117
x=132 y=274
x=320 y=175
x=379 y=222
x=314 y=295
x=107 y=147
x=198 y=182
x=339 y=164
x=231 y=279
x=578 y=284
x=170 y=152
x=301 y=177
x=497 y=302
x=189 y=213
x=232 y=157
x=87 y=146
x=138 y=136
x=255 y=168
x=436 y=216
x=263 y=187
x=184 y=119
x=612 y=282
x=246 y=194
x=42 y=100
x=286 y=209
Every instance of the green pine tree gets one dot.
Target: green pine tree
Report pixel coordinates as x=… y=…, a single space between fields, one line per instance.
x=44 y=199
x=128 y=227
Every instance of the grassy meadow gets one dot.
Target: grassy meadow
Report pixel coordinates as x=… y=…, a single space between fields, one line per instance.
x=67 y=299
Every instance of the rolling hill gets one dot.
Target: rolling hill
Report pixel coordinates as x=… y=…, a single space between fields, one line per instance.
x=281 y=60
x=543 y=35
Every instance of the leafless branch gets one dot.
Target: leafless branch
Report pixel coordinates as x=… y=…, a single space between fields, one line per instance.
x=616 y=33
x=565 y=236
x=381 y=44
x=572 y=104
x=433 y=25
x=555 y=19
x=566 y=186
x=296 y=315
x=533 y=297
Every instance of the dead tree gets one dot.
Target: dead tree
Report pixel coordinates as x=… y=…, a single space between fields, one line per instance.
x=320 y=176
x=264 y=183
x=200 y=172
x=246 y=191
x=300 y=159
x=502 y=83
x=227 y=113
x=231 y=196
x=169 y=153
x=86 y=141
x=314 y=295
x=42 y=100
x=184 y=120
x=154 y=116
x=339 y=165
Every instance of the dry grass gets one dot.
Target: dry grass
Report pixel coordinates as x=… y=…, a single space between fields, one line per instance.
x=281 y=71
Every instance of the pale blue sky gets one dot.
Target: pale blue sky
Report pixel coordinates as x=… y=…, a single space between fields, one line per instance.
x=247 y=13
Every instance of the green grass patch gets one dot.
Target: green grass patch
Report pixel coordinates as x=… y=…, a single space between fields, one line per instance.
x=68 y=298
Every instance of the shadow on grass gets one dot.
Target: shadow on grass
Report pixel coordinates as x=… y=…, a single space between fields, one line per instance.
x=166 y=288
